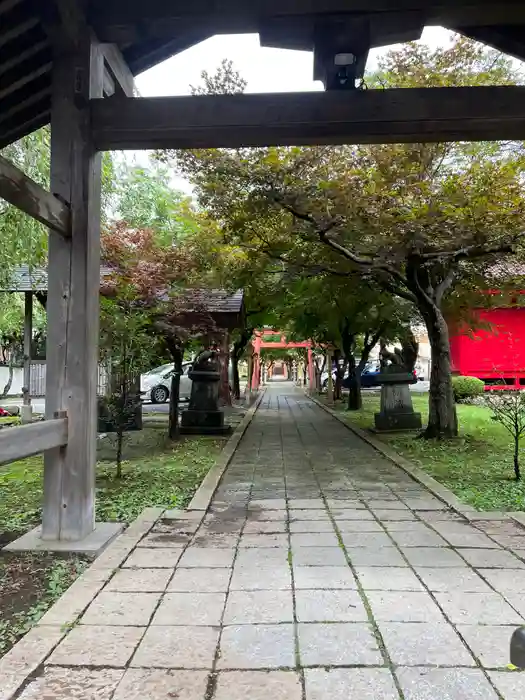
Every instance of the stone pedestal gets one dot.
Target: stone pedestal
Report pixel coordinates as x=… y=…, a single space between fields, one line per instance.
x=203 y=416
x=397 y=411
x=26 y=414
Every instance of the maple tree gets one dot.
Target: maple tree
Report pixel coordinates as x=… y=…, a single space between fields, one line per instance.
x=421 y=222
x=145 y=285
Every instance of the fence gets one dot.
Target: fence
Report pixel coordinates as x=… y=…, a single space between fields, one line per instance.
x=37 y=385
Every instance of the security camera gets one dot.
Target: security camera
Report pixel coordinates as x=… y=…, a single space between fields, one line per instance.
x=340 y=54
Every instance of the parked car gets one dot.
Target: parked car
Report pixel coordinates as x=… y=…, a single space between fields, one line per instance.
x=155 y=385
x=369 y=378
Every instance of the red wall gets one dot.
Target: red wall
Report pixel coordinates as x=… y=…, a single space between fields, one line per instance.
x=495 y=352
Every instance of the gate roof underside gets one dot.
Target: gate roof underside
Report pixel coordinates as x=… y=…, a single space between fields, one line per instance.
x=148 y=32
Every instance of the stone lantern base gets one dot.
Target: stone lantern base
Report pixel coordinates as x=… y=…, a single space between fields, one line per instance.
x=194 y=422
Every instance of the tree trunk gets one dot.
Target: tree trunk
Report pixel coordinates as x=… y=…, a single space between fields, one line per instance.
x=338 y=374
x=173 y=426
x=355 y=400
x=517 y=470
x=318 y=373
x=236 y=381
x=224 y=368
x=7 y=387
x=239 y=347
x=442 y=418
x=120 y=441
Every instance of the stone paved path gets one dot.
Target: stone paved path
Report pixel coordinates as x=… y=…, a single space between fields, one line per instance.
x=321 y=572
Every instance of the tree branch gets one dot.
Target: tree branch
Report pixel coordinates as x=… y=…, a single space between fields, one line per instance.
x=444 y=285
x=475 y=250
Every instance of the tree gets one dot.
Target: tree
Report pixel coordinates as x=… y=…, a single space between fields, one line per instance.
x=127 y=348
x=24 y=240
x=153 y=279
x=348 y=314
x=419 y=221
x=145 y=198
x=508 y=409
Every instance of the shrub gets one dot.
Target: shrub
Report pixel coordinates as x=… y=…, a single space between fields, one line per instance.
x=467 y=388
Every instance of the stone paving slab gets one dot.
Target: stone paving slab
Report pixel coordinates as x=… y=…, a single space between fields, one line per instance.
x=321 y=571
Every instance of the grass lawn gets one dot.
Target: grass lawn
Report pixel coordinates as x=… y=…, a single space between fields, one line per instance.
x=477 y=467
x=156 y=473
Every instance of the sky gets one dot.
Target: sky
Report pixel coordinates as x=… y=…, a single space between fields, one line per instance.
x=265 y=69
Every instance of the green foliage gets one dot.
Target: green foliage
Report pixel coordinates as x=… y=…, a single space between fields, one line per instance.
x=422 y=222
x=467 y=388
x=127 y=349
x=155 y=472
x=225 y=81
x=477 y=466
x=271 y=339
x=24 y=240
x=58 y=577
x=508 y=409
x=146 y=198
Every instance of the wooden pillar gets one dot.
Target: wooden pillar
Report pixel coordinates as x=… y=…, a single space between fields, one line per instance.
x=73 y=296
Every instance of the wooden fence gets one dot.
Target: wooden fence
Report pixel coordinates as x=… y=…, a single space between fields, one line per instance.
x=28 y=440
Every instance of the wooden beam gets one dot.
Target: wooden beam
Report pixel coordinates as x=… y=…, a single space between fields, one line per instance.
x=509 y=39
x=73 y=294
x=17 y=30
x=24 y=193
x=28 y=440
x=22 y=56
x=33 y=97
x=119 y=69
x=26 y=78
x=134 y=20
x=369 y=116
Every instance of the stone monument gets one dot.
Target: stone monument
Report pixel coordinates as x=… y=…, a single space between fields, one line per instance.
x=203 y=416
x=397 y=411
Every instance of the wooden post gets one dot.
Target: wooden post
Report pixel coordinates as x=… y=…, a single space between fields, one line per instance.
x=73 y=296
x=28 y=336
x=330 y=385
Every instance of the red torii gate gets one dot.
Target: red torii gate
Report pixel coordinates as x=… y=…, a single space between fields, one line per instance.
x=259 y=344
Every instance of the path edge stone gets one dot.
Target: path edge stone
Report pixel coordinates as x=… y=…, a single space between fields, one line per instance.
x=30 y=652
x=442 y=492
x=204 y=494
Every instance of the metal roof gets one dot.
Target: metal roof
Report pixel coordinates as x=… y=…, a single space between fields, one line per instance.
x=150 y=31
x=27 y=279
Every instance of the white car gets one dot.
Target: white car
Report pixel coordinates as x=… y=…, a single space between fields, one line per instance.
x=155 y=385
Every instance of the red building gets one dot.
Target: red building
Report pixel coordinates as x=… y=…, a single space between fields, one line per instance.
x=495 y=350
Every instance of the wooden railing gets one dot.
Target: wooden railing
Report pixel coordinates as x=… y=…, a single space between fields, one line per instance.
x=28 y=440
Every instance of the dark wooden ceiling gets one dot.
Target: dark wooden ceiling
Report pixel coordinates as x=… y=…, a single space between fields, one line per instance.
x=150 y=31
